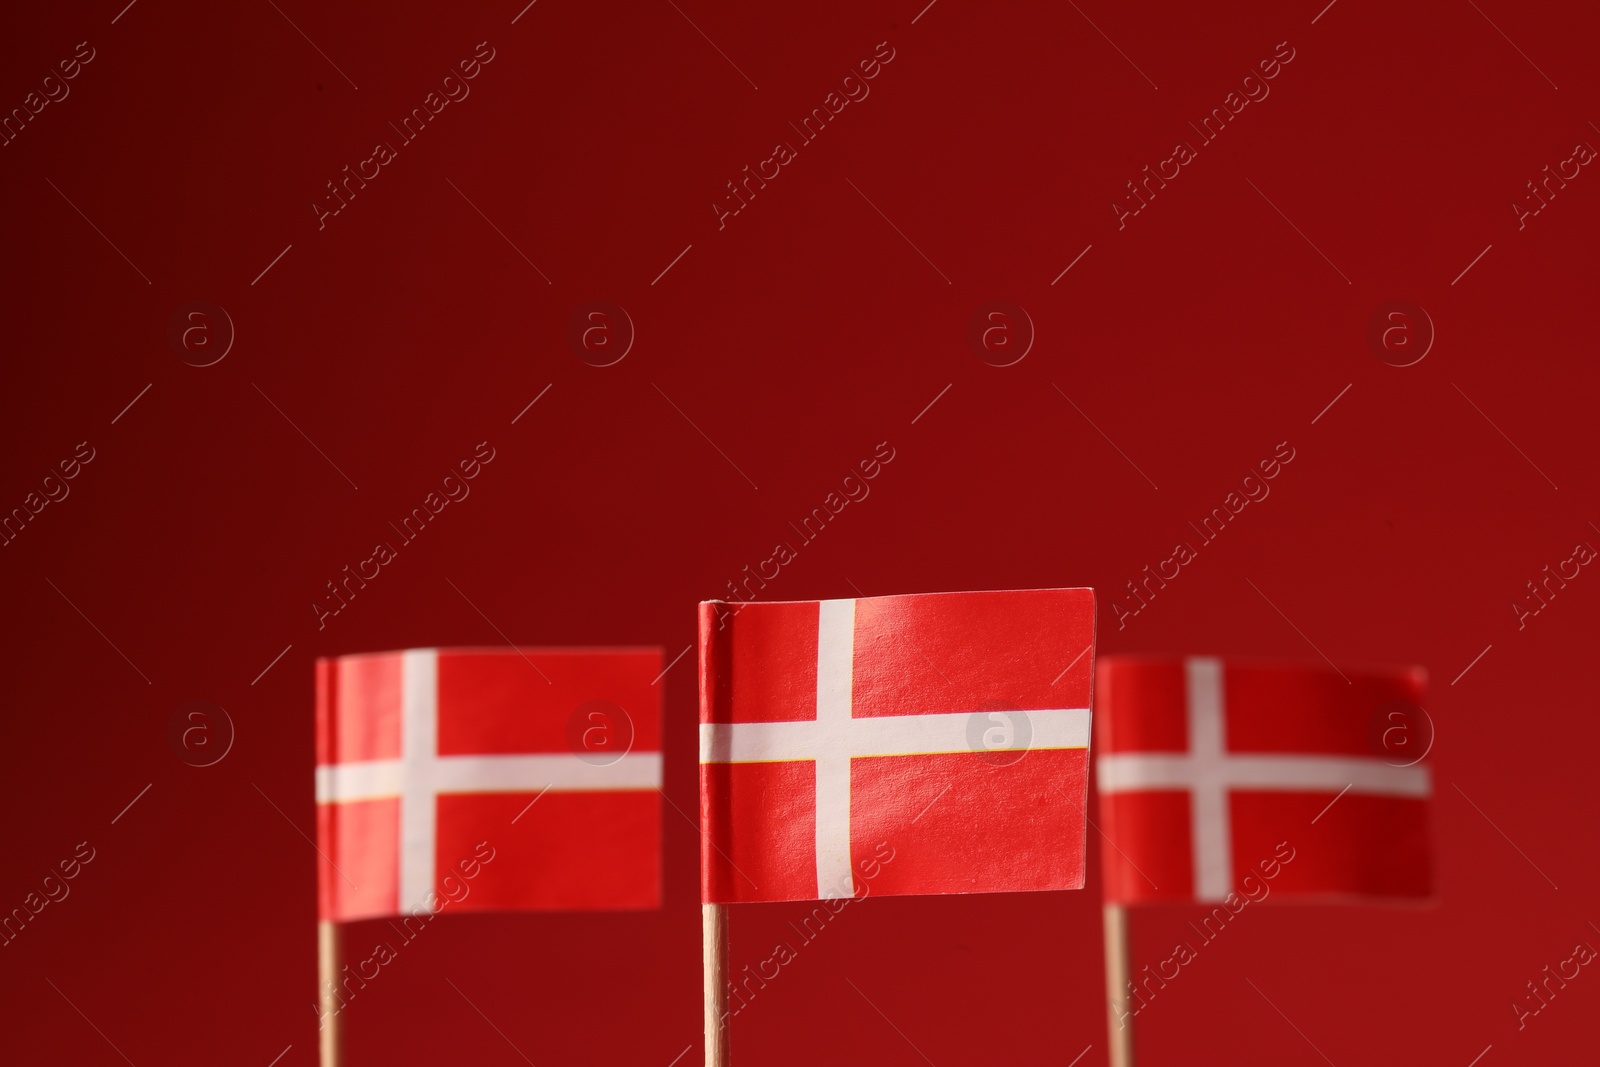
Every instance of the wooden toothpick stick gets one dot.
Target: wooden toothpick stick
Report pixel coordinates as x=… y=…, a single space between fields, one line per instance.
x=1119 y=1022
x=328 y=991
x=715 y=959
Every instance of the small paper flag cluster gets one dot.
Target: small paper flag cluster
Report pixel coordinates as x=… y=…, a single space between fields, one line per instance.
x=952 y=729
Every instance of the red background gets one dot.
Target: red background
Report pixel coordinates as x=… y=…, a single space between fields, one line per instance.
x=797 y=338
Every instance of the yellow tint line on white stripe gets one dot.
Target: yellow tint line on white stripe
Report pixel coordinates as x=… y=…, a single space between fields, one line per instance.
x=881 y=735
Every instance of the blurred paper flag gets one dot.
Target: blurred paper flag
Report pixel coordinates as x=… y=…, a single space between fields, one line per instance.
x=546 y=761
x=1210 y=772
x=948 y=732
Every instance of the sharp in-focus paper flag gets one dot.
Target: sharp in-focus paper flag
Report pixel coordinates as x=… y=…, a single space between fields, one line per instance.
x=1211 y=773
x=488 y=780
x=935 y=743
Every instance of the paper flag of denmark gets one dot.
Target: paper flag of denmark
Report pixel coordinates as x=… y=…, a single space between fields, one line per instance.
x=488 y=780
x=1211 y=773
x=902 y=744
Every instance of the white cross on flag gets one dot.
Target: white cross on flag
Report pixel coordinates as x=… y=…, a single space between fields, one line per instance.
x=935 y=743
x=1212 y=772
x=488 y=780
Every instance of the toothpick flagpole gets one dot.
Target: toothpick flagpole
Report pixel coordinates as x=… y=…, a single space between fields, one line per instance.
x=1118 y=1022
x=328 y=991
x=714 y=918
